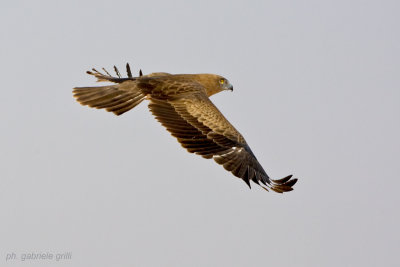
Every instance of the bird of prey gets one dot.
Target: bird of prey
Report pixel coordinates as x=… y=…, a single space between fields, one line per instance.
x=180 y=102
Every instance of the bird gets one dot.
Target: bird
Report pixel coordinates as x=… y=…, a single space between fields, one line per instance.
x=181 y=103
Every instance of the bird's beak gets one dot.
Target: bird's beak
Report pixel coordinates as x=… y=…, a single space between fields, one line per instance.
x=229 y=87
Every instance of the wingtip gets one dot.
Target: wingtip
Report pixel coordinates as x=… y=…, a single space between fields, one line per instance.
x=283 y=180
x=247 y=182
x=284 y=184
x=128 y=70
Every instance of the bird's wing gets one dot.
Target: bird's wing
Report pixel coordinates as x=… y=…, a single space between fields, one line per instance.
x=202 y=129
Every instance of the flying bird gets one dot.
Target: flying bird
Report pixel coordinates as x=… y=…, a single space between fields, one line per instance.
x=180 y=102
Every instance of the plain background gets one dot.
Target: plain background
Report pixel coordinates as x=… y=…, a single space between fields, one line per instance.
x=317 y=90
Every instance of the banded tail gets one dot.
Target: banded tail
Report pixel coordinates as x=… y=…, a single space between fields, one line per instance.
x=118 y=98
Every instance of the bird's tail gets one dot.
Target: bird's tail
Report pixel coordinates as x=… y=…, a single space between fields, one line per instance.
x=118 y=98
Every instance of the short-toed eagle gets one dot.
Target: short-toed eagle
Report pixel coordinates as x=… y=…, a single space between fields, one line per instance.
x=180 y=102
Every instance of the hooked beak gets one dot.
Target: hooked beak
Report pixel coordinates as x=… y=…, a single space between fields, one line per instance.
x=229 y=87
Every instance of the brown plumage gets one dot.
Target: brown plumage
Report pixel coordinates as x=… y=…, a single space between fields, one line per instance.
x=181 y=104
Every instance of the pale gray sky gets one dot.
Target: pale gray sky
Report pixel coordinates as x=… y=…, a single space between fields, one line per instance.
x=317 y=90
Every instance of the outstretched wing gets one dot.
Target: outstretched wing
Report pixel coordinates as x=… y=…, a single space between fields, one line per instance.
x=202 y=129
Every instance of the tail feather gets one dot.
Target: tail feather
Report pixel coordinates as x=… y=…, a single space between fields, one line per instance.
x=124 y=108
x=115 y=102
x=109 y=97
x=98 y=96
x=127 y=103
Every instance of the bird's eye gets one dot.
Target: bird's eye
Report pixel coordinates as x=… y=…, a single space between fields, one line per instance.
x=222 y=81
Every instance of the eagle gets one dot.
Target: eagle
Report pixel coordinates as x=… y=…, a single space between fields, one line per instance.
x=180 y=102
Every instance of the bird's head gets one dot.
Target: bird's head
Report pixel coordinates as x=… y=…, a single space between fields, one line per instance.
x=224 y=84
x=214 y=83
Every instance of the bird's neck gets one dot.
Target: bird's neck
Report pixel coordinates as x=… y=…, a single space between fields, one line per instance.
x=210 y=82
